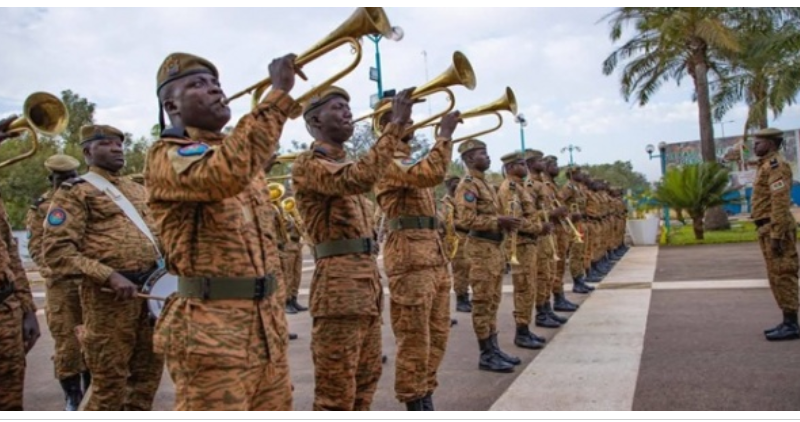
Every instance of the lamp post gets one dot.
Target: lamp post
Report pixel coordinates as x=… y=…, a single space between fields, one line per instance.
x=520 y=118
x=722 y=126
x=570 y=148
x=375 y=73
x=662 y=149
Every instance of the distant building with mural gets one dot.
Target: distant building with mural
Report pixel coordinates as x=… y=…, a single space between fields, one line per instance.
x=737 y=154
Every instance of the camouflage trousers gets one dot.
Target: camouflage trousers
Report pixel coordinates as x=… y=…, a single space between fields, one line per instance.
x=545 y=267
x=486 y=278
x=562 y=240
x=63 y=313
x=577 y=254
x=524 y=279
x=782 y=270
x=460 y=265
x=119 y=352
x=346 y=351
x=12 y=358
x=292 y=265
x=420 y=313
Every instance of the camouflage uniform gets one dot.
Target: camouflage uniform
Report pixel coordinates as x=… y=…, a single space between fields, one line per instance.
x=63 y=302
x=346 y=294
x=88 y=236
x=15 y=301
x=416 y=265
x=771 y=202
x=224 y=334
x=459 y=262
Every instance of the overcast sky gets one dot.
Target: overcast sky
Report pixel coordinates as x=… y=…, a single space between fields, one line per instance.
x=551 y=58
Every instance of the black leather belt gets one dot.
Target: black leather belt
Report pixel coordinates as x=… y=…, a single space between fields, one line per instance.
x=412 y=222
x=528 y=236
x=493 y=236
x=345 y=247
x=762 y=221
x=216 y=288
x=460 y=230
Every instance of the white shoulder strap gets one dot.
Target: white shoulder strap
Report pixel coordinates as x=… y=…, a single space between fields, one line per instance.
x=123 y=203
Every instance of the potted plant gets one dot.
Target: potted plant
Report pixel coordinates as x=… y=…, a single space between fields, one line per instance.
x=643 y=227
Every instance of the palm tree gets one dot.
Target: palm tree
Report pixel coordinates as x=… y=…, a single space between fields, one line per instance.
x=765 y=73
x=694 y=188
x=669 y=43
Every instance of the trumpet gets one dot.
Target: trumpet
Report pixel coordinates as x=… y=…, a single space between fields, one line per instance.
x=511 y=209
x=281 y=177
x=276 y=192
x=290 y=206
x=364 y=21
x=287 y=158
x=459 y=73
x=42 y=112
x=577 y=237
x=550 y=236
x=507 y=102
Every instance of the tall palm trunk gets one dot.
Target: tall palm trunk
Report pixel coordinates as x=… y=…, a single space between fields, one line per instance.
x=700 y=76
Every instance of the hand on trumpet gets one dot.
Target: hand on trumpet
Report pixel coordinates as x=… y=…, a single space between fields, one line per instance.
x=448 y=124
x=547 y=228
x=123 y=287
x=575 y=217
x=282 y=71
x=508 y=223
x=558 y=213
x=4 y=124
x=402 y=103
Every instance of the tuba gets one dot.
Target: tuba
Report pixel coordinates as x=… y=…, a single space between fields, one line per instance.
x=459 y=73
x=41 y=112
x=364 y=21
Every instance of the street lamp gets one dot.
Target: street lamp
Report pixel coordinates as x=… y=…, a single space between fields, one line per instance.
x=662 y=148
x=722 y=126
x=520 y=118
x=570 y=148
x=375 y=72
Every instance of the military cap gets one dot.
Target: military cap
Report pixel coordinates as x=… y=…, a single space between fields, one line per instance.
x=769 y=133
x=512 y=157
x=179 y=65
x=469 y=145
x=572 y=169
x=323 y=97
x=95 y=132
x=531 y=154
x=551 y=158
x=61 y=162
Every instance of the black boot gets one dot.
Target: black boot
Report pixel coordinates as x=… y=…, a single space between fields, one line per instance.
x=543 y=318
x=491 y=361
x=560 y=319
x=594 y=275
x=506 y=357
x=561 y=304
x=789 y=330
x=453 y=321
x=579 y=285
x=86 y=376
x=297 y=306
x=72 y=392
x=427 y=402
x=292 y=336
x=463 y=304
x=525 y=339
x=414 y=405
x=290 y=309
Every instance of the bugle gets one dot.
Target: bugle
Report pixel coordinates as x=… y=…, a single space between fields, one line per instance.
x=459 y=73
x=43 y=113
x=364 y=21
x=577 y=237
x=507 y=102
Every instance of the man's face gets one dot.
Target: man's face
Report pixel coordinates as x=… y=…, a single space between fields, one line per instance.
x=59 y=177
x=552 y=168
x=480 y=159
x=334 y=120
x=517 y=169
x=538 y=165
x=762 y=146
x=106 y=153
x=196 y=100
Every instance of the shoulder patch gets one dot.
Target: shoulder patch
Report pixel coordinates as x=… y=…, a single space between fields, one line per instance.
x=773 y=163
x=469 y=196
x=56 y=217
x=192 y=150
x=777 y=185
x=405 y=163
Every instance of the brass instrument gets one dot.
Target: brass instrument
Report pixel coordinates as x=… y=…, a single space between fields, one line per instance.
x=459 y=73
x=41 y=112
x=287 y=158
x=281 y=177
x=290 y=206
x=364 y=21
x=450 y=236
x=512 y=209
x=276 y=192
x=577 y=237
x=508 y=102
x=551 y=236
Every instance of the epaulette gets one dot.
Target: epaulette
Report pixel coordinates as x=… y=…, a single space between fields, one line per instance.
x=37 y=202
x=773 y=163
x=467 y=178
x=72 y=182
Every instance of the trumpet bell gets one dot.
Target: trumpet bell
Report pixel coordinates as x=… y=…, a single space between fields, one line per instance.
x=507 y=102
x=276 y=191
x=289 y=204
x=41 y=112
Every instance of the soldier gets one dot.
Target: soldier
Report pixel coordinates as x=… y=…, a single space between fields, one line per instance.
x=544 y=194
x=513 y=193
x=480 y=212
x=460 y=264
x=563 y=238
x=63 y=302
x=776 y=229
x=596 y=271
x=575 y=198
x=207 y=191
x=293 y=262
x=19 y=328
x=98 y=228
x=346 y=293
x=415 y=263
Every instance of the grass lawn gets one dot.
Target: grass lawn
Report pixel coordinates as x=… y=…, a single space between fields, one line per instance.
x=740 y=232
